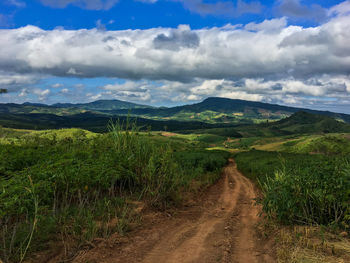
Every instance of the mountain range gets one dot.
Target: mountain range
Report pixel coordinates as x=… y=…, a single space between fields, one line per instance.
x=210 y=113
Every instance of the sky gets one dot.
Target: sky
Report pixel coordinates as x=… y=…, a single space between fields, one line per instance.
x=175 y=52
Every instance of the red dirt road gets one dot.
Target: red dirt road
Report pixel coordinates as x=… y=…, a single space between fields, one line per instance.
x=221 y=227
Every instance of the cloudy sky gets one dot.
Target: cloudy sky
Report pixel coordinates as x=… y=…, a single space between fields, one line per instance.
x=173 y=52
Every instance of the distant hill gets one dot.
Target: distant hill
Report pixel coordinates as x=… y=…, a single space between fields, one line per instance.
x=298 y=123
x=228 y=110
x=63 y=109
x=103 y=105
x=304 y=122
x=218 y=112
x=95 y=122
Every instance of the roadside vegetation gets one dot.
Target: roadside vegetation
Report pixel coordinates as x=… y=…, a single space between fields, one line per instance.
x=72 y=186
x=309 y=195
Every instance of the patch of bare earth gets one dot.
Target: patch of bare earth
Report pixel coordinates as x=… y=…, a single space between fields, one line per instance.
x=220 y=227
x=168 y=134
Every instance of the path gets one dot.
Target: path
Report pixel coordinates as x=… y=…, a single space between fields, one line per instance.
x=220 y=228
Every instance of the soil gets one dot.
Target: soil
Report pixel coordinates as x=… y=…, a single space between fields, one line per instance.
x=222 y=226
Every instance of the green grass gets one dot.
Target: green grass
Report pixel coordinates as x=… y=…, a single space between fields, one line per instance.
x=326 y=144
x=74 y=185
x=301 y=188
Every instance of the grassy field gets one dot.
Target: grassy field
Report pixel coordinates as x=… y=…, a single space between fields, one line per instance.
x=307 y=201
x=74 y=185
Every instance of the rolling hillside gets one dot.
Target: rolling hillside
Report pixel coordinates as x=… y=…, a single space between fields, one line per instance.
x=227 y=111
x=102 y=105
x=210 y=113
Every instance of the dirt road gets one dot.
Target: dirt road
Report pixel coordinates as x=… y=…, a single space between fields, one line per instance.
x=219 y=228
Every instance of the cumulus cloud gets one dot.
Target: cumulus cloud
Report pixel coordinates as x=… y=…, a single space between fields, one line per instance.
x=340 y=9
x=268 y=25
x=266 y=50
x=269 y=61
x=182 y=37
x=14 y=82
x=267 y=90
x=41 y=94
x=86 y=4
x=130 y=91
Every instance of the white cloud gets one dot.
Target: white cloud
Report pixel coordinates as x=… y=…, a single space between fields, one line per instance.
x=268 y=25
x=42 y=94
x=57 y=85
x=340 y=9
x=64 y=90
x=269 y=61
x=23 y=93
x=181 y=54
x=14 y=81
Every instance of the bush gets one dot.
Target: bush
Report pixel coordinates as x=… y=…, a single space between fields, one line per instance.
x=301 y=188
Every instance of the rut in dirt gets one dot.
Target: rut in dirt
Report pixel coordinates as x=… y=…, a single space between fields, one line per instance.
x=220 y=229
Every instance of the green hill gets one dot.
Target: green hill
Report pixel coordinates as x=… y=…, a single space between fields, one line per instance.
x=303 y=122
x=212 y=112
x=227 y=111
x=102 y=105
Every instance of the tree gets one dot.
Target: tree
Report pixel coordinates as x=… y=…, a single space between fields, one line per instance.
x=3 y=91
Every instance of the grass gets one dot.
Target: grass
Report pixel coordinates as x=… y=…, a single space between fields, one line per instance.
x=306 y=201
x=71 y=186
x=312 y=244
x=326 y=144
x=301 y=188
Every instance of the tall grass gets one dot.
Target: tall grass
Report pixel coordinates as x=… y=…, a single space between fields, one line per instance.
x=80 y=187
x=301 y=188
x=144 y=167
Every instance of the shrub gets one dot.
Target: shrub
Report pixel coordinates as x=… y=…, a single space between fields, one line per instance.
x=301 y=188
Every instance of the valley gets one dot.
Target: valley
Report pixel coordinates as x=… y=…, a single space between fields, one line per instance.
x=94 y=187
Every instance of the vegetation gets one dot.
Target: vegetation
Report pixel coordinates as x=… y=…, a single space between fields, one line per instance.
x=328 y=144
x=210 y=113
x=74 y=186
x=301 y=188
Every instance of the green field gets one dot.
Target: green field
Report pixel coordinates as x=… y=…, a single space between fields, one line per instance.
x=74 y=185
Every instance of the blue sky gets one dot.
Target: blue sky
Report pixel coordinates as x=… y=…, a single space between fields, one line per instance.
x=129 y=14
x=173 y=52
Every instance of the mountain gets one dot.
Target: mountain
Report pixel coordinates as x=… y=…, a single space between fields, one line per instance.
x=215 y=109
x=220 y=112
x=63 y=109
x=102 y=105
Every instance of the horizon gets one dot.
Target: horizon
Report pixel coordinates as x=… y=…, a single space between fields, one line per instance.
x=163 y=106
x=169 y=53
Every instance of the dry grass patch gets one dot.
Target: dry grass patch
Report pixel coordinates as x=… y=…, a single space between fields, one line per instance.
x=303 y=244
